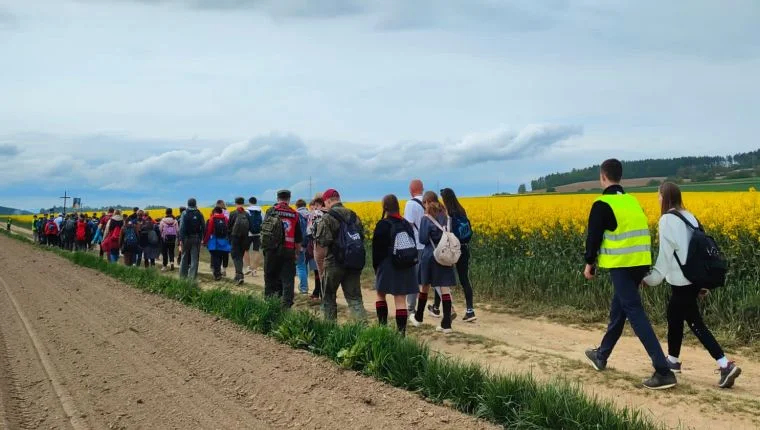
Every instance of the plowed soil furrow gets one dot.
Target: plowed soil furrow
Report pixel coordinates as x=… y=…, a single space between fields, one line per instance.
x=134 y=360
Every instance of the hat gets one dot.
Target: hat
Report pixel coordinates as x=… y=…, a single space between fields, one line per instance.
x=283 y=194
x=329 y=194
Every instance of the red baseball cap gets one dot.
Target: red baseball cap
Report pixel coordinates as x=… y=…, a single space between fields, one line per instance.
x=330 y=193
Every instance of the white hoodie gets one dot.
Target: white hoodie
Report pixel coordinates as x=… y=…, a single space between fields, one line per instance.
x=675 y=236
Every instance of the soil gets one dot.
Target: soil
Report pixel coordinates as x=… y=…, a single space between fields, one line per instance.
x=81 y=350
x=548 y=350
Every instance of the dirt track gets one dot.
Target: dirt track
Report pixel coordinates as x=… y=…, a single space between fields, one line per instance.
x=80 y=350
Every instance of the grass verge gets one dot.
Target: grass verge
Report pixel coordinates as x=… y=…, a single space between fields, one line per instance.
x=510 y=400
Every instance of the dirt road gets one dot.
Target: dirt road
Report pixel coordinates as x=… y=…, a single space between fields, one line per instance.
x=80 y=350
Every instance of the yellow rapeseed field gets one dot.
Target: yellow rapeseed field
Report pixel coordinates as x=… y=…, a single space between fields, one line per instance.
x=729 y=213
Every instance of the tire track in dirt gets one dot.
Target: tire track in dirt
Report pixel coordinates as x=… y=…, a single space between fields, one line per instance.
x=131 y=359
x=52 y=374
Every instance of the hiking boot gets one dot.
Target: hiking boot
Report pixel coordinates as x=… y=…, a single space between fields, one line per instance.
x=469 y=317
x=444 y=330
x=661 y=382
x=592 y=355
x=413 y=321
x=433 y=311
x=674 y=367
x=728 y=375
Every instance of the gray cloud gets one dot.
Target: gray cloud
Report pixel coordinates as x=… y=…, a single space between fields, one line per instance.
x=7 y=150
x=8 y=21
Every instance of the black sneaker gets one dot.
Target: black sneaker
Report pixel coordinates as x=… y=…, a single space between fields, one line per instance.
x=469 y=317
x=433 y=311
x=729 y=375
x=661 y=382
x=674 y=367
x=239 y=281
x=593 y=357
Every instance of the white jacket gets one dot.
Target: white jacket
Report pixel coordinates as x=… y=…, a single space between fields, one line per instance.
x=675 y=236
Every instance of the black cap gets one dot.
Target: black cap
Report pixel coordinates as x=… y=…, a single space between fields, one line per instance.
x=283 y=194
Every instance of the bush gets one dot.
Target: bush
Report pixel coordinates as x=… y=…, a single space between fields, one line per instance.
x=654 y=183
x=740 y=174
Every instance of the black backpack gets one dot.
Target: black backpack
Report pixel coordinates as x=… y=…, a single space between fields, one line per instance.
x=192 y=222
x=272 y=232
x=705 y=265
x=220 y=228
x=348 y=247
x=403 y=246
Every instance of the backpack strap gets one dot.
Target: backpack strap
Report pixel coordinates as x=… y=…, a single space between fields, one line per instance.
x=337 y=216
x=437 y=224
x=686 y=221
x=418 y=202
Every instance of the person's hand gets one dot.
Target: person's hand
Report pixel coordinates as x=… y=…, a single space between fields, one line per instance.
x=704 y=292
x=589 y=272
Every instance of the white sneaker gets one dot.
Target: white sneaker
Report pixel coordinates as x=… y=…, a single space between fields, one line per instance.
x=413 y=321
x=444 y=330
x=163 y=268
x=248 y=271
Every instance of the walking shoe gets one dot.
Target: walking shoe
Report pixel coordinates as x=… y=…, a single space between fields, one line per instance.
x=453 y=314
x=469 y=317
x=593 y=357
x=444 y=330
x=255 y=273
x=433 y=311
x=661 y=382
x=239 y=281
x=413 y=321
x=217 y=278
x=224 y=273
x=163 y=268
x=171 y=267
x=674 y=367
x=248 y=271
x=728 y=375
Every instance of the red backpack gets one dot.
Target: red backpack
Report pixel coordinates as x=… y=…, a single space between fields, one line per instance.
x=51 y=228
x=81 y=231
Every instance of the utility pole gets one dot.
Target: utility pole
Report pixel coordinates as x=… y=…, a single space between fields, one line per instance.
x=65 y=198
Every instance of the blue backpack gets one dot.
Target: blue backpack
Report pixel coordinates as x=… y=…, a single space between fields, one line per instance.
x=461 y=228
x=131 y=239
x=256 y=221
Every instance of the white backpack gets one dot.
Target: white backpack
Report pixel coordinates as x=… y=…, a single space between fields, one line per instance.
x=448 y=250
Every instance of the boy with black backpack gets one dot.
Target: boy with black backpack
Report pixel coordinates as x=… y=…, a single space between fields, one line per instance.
x=342 y=233
x=240 y=225
x=191 y=228
x=281 y=238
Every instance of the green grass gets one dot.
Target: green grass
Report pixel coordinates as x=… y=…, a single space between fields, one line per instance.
x=513 y=401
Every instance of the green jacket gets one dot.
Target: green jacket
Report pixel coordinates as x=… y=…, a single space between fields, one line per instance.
x=328 y=229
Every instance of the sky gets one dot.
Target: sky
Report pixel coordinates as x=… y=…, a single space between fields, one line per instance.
x=140 y=102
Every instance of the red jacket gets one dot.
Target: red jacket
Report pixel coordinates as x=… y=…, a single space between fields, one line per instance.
x=210 y=226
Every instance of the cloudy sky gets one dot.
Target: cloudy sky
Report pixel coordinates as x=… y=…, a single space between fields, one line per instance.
x=151 y=101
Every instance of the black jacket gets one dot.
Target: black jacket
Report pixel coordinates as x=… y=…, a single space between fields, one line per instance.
x=600 y=219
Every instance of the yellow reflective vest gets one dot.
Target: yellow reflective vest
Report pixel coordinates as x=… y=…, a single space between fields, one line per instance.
x=630 y=245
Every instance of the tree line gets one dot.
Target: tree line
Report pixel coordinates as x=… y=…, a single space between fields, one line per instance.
x=693 y=168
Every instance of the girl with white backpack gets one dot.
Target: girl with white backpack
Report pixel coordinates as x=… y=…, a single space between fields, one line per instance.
x=436 y=268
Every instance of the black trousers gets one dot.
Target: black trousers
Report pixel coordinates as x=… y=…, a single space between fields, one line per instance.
x=279 y=277
x=683 y=307
x=167 y=252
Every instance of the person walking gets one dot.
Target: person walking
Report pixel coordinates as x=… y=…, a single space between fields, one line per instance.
x=432 y=273
x=81 y=234
x=676 y=228
x=51 y=232
x=169 y=229
x=68 y=232
x=217 y=240
x=150 y=241
x=112 y=240
x=619 y=240
x=129 y=242
x=341 y=232
x=462 y=229
x=302 y=263
x=102 y=227
x=239 y=229
x=414 y=211
x=318 y=252
x=252 y=257
x=182 y=210
x=281 y=239
x=394 y=259
x=191 y=229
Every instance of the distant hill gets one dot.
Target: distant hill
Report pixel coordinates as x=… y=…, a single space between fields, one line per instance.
x=694 y=169
x=12 y=211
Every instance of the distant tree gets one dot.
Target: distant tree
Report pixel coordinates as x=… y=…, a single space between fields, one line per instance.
x=653 y=183
x=521 y=189
x=551 y=190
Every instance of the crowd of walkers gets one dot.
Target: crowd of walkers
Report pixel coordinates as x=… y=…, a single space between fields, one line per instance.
x=423 y=250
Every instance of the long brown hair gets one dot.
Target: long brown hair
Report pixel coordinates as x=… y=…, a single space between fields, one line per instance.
x=390 y=205
x=432 y=205
x=671 y=198
x=450 y=200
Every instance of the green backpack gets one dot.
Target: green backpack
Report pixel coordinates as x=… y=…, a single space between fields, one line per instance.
x=272 y=232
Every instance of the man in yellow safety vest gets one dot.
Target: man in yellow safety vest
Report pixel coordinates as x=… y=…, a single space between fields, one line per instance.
x=619 y=241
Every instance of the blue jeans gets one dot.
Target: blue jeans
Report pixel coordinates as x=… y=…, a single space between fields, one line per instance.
x=626 y=304
x=302 y=269
x=113 y=256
